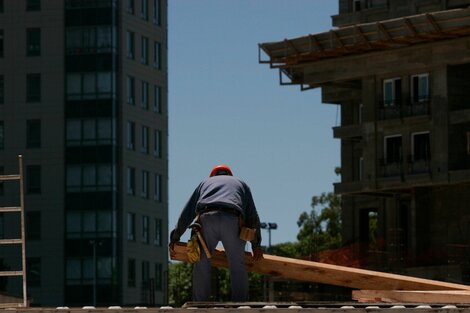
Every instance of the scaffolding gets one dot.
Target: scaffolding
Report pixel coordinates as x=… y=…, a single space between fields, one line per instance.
x=18 y=241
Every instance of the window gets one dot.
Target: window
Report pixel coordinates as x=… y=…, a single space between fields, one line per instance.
x=158 y=232
x=90 y=85
x=356 y=5
x=33 y=274
x=144 y=9
x=145 y=229
x=157 y=99
x=131 y=273
x=130 y=90
x=157 y=55
x=420 y=88
x=33 y=179
x=393 y=149
x=157 y=12
x=158 y=276
x=33 y=5
x=130 y=44
x=2 y=135
x=33 y=42
x=33 y=225
x=157 y=188
x=90 y=132
x=368 y=219
x=157 y=144
x=2 y=89
x=130 y=135
x=361 y=168
x=144 y=95
x=360 y=112
x=145 y=140
x=1 y=43
x=131 y=226
x=2 y=188
x=392 y=91
x=2 y=227
x=130 y=180
x=90 y=177
x=144 y=46
x=145 y=272
x=420 y=146
x=33 y=133
x=145 y=184
x=90 y=39
x=33 y=87
x=130 y=6
x=1 y=6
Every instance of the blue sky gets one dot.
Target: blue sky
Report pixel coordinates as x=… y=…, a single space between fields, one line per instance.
x=225 y=107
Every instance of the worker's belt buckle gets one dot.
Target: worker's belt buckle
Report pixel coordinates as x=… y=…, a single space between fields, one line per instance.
x=247 y=234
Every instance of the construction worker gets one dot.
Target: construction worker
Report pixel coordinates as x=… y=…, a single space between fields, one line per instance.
x=221 y=202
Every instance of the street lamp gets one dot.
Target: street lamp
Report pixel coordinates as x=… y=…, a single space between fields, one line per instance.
x=94 y=243
x=268 y=226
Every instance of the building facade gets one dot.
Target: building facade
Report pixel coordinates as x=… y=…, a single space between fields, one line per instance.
x=399 y=70
x=83 y=97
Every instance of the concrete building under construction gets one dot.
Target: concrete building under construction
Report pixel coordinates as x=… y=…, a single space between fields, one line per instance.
x=400 y=72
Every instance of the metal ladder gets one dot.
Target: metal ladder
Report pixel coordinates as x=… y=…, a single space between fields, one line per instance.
x=21 y=241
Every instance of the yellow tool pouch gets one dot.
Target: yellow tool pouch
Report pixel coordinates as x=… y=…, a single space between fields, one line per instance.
x=193 y=251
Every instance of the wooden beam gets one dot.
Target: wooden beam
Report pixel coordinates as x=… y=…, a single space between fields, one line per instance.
x=327 y=273
x=401 y=296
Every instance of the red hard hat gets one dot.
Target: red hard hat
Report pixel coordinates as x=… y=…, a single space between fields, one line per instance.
x=221 y=168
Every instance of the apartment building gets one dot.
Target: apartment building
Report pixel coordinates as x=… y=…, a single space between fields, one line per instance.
x=399 y=71
x=83 y=97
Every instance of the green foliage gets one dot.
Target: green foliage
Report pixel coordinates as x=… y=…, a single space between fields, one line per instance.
x=179 y=284
x=320 y=229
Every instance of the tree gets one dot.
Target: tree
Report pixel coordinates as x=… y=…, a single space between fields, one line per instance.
x=320 y=229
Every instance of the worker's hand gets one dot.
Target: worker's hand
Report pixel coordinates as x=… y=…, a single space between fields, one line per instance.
x=257 y=254
x=171 y=248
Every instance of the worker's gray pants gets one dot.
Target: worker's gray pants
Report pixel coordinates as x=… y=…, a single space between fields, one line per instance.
x=221 y=226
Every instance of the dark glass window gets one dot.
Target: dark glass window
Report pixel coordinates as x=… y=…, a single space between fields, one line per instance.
x=157 y=55
x=130 y=6
x=33 y=179
x=130 y=135
x=1 y=43
x=144 y=47
x=157 y=12
x=145 y=229
x=145 y=272
x=33 y=225
x=1 y=6
x=33 y=133
x=158 y=232
x=144 y=10
x=131 y=181
x=393 y=149
x=130 y=44
x=157 y=99
x=2 y=135
x=33 y=42
x=130 y=90
x=33 y=87
x=33 y=268
x=158 y=276
x=131 y=226
x=2 y=190
x=131 y=273
x=421 y=146
x=2 y=89
x=33 y=5
x=2 y=230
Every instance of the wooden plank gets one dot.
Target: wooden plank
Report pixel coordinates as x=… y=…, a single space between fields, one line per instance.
x=10 y=209
x=11 y=273
x=9 y=177
x=10 y=241
x=327 y=273
x=413 y=296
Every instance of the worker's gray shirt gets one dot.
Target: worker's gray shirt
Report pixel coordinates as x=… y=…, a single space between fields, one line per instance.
x=222 y=191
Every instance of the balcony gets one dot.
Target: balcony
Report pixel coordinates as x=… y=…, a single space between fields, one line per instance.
x=399 y=108
x=349 y=131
